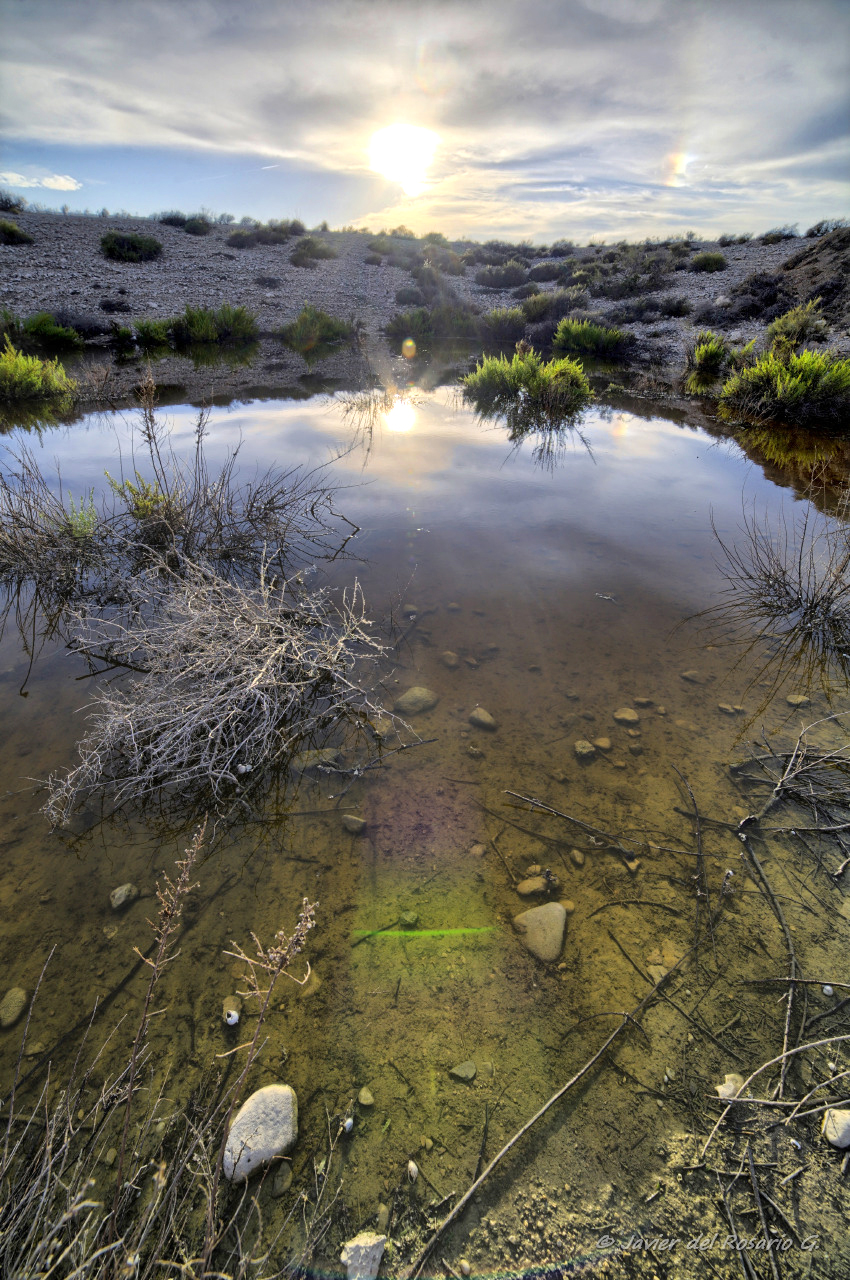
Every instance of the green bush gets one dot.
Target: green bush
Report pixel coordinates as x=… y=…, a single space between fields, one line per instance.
x=777 y=234
x=705 y=359
x=503 y=277
x=504 y=324
x=409 y=297
x=525 y=383
x=314 y=332
x=445 y=320
x=674 y=306
x=29 y=378
x=546 y=271
x=44 y=329
x=153 y=333
x=373 y=260
x=585 y=337
x=821 y=228
x=172 y=218
x=202 y=324
x=197 y=226
x=709 y=262
x=11 y=233
x=803 y=390
x=310 y=251
x=10 y=203
x=552 y=305
x=805 y=323
x=122 y=247
x=526 y=290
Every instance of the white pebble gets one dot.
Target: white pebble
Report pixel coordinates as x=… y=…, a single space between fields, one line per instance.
x=827 y=990
x=412 y=1171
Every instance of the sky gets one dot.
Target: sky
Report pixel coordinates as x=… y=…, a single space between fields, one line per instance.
x=544 y=118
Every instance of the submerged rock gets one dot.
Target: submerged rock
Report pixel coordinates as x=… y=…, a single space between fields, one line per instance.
x=365 y=1097
x=122 y=896
x=415 y=700
x=836 y=1127
x=584 y=750
x=450 y=659
x=264 y=1127
x=533 y=885
x=361 y=1256
x=305 y=761
x=353 y=823
x=542 y=929
x=481 y=719
x=464 y=1071
x=626 y=715
x=12 y=1006
x=798 y=700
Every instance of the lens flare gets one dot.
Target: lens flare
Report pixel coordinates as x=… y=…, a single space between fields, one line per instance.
x=403 y=153
x=408 y=348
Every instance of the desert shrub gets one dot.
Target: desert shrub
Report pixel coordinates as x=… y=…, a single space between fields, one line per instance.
x=410 y=324
x=268 y=282
x=197 y=226
x=310 y=251
x=410 y=297
x=172 y=218
x=529 y=290
x=584 y=337
x=760 y=296
x=314 y=332
x=705 y=358
x=436 y=237
x=674 y=306
x=561 y=249
x=10 y=203
x=821 y=228
x=153 y=333
x=777 y=234
x=507 y=276
x=115 y=306
x=709 y=262
x=634 y=312
x=805 y=323
x=552 y=305
x=808 y=388
x=86 y=325
x=243 y=239
x=29 y=378
x=11 y=233
x=503 y=324
x=123 y=247
x=447 y=319
x=725 y=240
x=526 y=387
x=546 y=271
x=44 y=329
x=373 y=260
x=226 y=324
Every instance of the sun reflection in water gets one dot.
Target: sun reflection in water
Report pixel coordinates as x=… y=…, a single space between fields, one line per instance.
x=401 y=415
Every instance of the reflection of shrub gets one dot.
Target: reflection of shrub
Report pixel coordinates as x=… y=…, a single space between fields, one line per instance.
x=11 y=233
x=28 y=378
x=812 y=387
x=122 y=247
x=504 y=277
x=313 y=329
x=202 y=324
x=708 y=262
x=310 y=251
x=504 y=324
x=558 y=388
x=704 y=360
x=584 y=337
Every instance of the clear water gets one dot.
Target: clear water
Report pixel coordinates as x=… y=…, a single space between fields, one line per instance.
x=561 y=583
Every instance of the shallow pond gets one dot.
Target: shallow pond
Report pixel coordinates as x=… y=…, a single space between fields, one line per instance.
x=562 y=579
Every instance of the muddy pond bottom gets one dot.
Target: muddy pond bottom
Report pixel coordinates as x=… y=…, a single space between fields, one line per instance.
x=544 y=596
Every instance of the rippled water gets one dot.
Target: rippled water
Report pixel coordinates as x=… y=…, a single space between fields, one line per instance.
x=561 y=579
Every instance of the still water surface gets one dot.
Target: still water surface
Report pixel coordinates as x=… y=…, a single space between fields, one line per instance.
x=561 y=582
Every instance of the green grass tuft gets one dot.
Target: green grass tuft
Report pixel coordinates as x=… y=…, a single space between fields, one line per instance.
x=121 y=247
x=29 y=378
x=11 y=233
x=227 y=324
x=503 y=324
x=805 y=323
x=309 y=251
x=509 y=275
x=44 y=329
x=585 y=337
x=528 y=386
x=803 y=390
x=709 y=262
x=314 y=333
x=153 y=333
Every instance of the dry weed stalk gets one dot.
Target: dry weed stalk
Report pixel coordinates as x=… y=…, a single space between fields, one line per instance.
x=227 y=680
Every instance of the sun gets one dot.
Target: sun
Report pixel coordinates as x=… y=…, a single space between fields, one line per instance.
x=403 y=153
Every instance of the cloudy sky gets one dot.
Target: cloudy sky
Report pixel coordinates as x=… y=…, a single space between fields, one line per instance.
x=547 y=118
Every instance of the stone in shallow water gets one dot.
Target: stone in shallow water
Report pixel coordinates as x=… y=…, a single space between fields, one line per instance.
x=481 y=719
x=361 y=1256
x=464 y=1071
x=415 y=700
x=836 y=1127
x=353 y=823
x=541 y=930
x=584 y=750
x=12 y=1006
x=265 y=1126
x=798 y=700
x=450 y=659
x=122 y=896
x=532 y=886
x=305 y=761
x=626 y=715
x=365 y=1097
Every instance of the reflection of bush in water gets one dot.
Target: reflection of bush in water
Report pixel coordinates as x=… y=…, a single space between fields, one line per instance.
x=806 y=388
x=528 y=386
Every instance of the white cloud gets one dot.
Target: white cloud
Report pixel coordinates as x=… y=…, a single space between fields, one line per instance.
x=53 y=181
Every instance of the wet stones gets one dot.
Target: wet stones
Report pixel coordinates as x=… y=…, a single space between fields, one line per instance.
x=264 y=1127
x=538 y=886
x=466 y=1071
x=692 y=677
x=577 y=857
x=541 y=930
x=450 y=660
x=836 y=1127
x=602 y=744
x=481 y=719
x=627 y=716
x=122 y=896
x=12 y=1006
x=353 y=823
x=584 y=750
x=415 y=700
x=362 y=1256
x=798 y=700
x=365 y=1097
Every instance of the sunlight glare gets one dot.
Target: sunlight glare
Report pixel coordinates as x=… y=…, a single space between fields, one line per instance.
x=401 y=415
x=403 y=153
